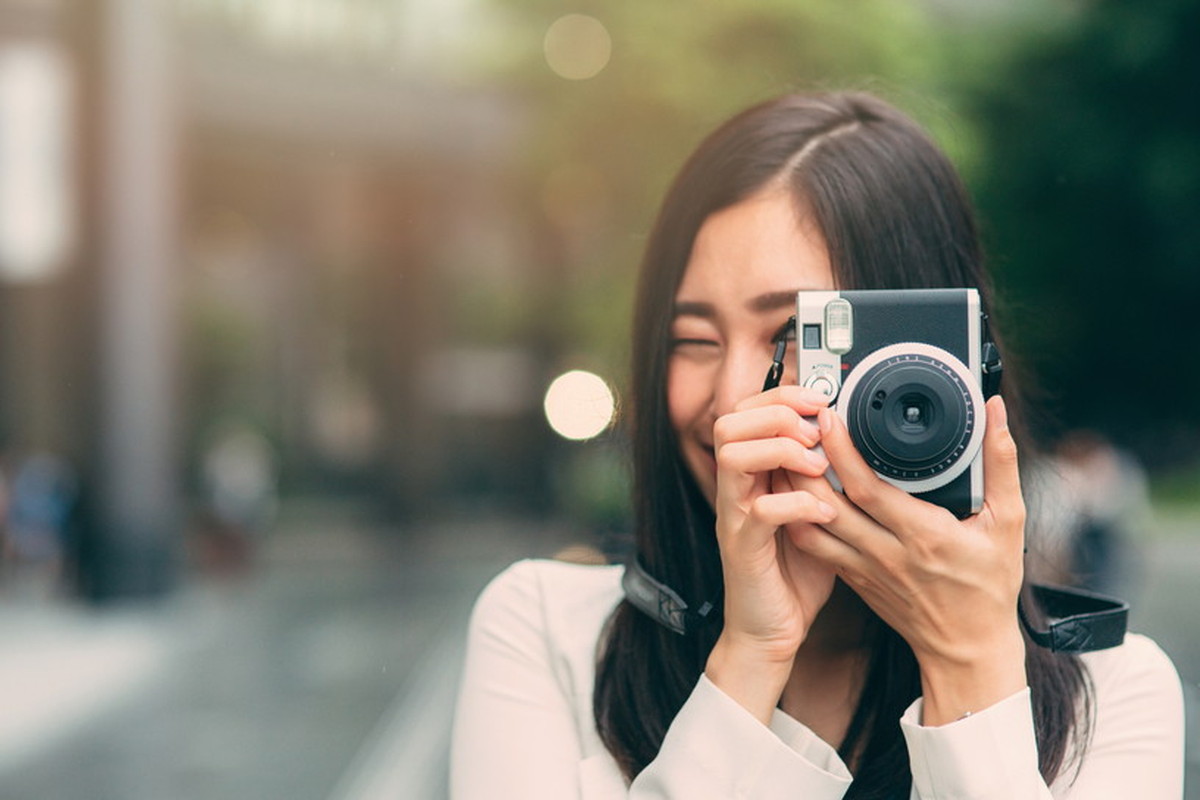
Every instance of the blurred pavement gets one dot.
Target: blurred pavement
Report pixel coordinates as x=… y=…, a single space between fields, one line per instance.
x=324 y=672
x=329 y=670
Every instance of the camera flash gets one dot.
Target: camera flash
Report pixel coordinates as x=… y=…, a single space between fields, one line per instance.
x=839 y=326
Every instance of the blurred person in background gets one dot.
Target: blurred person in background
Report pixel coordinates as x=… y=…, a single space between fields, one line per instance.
x=827 y=645
x=39 y=502
x=1093 y=499
x=240 y=496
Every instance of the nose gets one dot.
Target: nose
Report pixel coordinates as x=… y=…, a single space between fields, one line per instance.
x=742 y=372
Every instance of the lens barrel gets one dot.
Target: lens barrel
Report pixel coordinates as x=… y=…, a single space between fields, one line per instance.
x=911 y=416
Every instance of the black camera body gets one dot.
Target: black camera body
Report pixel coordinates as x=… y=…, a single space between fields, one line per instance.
x=906 y=371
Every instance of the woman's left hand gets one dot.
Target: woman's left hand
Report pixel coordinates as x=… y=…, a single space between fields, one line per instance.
x=948 y=586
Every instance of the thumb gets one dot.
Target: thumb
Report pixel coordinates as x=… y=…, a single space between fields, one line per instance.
x=1001 y=470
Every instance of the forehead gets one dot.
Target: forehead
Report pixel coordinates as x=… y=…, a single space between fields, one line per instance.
x=758 y=246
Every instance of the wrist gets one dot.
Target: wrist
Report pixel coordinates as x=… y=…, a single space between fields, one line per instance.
x=754 y=680
x=953 y=688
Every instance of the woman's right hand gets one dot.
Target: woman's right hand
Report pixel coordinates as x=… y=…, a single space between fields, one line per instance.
x=773 y=590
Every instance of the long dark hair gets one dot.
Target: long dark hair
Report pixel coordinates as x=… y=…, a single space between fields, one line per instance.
x=894 y=214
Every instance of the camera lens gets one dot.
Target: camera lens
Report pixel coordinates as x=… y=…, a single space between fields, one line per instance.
x=911 y=416
x=915 y=412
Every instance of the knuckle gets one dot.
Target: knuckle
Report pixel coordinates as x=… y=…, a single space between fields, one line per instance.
x=762 y=508
x=889 y=563
x=728 y=455
x=863 y=491
x=721 y=430
x=724 y=452
x=1013 y=514
x=931 y=547
x=751 y=401
x=1006 y=451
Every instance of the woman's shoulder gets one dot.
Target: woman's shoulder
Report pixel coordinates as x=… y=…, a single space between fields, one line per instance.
x=559 y=601
x=1137 y=671
x=537 y=581
x=1137 y=656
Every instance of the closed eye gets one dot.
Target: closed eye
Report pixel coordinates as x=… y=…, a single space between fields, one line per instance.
x=675 y=343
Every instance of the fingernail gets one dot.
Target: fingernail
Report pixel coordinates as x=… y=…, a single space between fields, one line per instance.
x=829 y=511
x=816 y=459
x=825 y=420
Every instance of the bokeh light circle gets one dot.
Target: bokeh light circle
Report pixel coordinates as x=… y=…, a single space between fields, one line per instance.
x=579 y=405
x=577 y=47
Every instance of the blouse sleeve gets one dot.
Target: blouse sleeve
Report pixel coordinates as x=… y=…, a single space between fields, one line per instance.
x=1135 y=747
x=715 y=749
x=516 y=736
x=990 y=755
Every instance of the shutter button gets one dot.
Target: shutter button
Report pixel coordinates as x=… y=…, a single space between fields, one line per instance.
x=823 y=383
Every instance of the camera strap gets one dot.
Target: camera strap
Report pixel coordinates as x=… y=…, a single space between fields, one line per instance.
x=1079 y=621
x=780 y=340
x=660 y=602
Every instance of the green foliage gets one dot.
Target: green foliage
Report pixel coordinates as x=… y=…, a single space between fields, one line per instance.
x=1091 y=185
x=1177 y=489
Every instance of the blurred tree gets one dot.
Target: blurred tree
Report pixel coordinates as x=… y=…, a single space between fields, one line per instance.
x=602 y=149
x=1091 y=187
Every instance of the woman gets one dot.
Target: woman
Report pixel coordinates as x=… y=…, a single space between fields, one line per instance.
x=861 y=643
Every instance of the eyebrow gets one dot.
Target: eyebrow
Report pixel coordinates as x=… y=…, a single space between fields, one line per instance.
x=772 y=301
x=761 y=304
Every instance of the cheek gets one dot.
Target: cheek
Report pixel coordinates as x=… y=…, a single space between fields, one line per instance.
x=685 y=393
x=790 y=375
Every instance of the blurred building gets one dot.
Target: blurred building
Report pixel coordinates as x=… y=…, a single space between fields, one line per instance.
x=258 y=215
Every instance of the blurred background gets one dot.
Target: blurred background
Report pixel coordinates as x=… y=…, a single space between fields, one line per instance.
x=313 y=316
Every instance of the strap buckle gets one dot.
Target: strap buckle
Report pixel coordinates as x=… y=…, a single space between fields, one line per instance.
x=660 y=602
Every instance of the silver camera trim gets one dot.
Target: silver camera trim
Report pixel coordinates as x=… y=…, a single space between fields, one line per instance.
x=973 y=390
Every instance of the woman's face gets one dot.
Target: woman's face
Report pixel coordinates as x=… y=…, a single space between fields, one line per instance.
x=739 y=288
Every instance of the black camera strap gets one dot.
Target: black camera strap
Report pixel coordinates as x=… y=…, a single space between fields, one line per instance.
x=660 y=602
x=780 y=340
x=1078 y=621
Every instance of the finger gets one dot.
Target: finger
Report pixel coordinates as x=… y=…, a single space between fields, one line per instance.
x=885 y=503
x=1001 y=470
x=817 y=485
x=852 y=526
x=761 y=455
x=823 y=545
x=805 y=401
x=755 y=539
x=764 y=422
x=786 y=508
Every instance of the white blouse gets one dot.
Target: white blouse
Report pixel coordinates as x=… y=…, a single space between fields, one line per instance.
x=524 y=726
